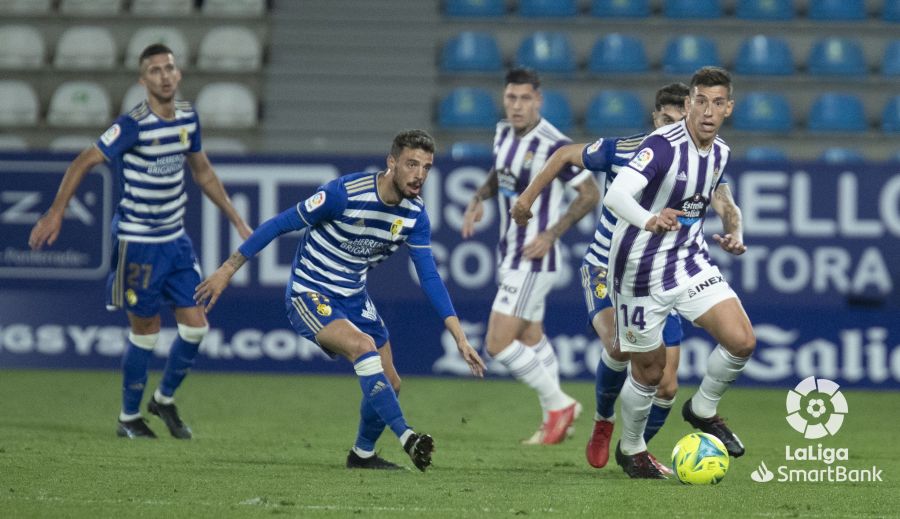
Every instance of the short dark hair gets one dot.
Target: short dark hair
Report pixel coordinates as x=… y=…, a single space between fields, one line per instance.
x=712 y=76
x=414 y=140
x=672 y=94
x=523 y=76
x=152 y=50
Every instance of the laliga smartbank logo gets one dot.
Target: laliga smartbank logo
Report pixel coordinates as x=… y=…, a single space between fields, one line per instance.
x=816 y=409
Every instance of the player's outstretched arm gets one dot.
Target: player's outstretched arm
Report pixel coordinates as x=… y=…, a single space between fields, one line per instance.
x=475 y=209
x=468 y=353
x=205 y=177
x=209 y=290
x=568 y=154
x=46 y=230
x=724 y=205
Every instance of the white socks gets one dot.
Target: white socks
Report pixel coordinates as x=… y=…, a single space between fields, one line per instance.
x=544 y=352
x=527 y=368
x=636 y=401
x=722 y=369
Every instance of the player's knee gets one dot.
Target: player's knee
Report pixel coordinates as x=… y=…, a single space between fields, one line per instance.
x=495 y=344
x=144 y=341
x=192 y=334
x=362 y=344
x=744 y=344
x=667 y=389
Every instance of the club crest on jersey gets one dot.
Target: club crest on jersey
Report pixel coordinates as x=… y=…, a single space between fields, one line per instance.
x=396 y=227
x=630 y=336
x=694 y=208
x=183 y=136
x=314 y=202
x=110 y=135
x=715 y=174
x=600 y=289
x=131 y=297
x=529 y=158
x=640 y=161
x=323 y=309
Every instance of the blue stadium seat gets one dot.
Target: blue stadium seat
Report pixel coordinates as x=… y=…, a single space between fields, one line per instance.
x=615 y=112
x=890 y=63
x=547 y=8
x=618 y=53
x=763 y=112
x=765 y=154
x=838 y=155
x=837 y=10
x=890 y=117
x=835 y=112
x=620 y=8
x=891 y=11
x=471 y=150
x=681 y=9
x=765 y=9
x=547 y=52
x=475 y=7
x=685 y=54
x=764 y=56
x=556 y=109
x=832 y=56
x=468 y=108
x=471 y=51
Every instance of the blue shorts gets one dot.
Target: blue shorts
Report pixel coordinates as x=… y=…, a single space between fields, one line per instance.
x=311 y=311
x=596 y=298
x=144 y=275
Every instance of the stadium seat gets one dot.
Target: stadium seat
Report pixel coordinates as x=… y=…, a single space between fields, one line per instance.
x=27 y=7
x=85 y=47
x=890 y=116
x=836 y=112
x=556 y=109
x=475 y=8
x=765 y=9
x=224 y=146
x=615 y=112
x=765 y=154
x=840 y=155
x=832 y=56
x=471 y=150
x=468 y=108
x=471 y=51
x=168 y=36
x=837 y=10
x=79 y=103
x=161 y=7
x=764 y=56
x=234 y=8
x=762 y=112
x=134 y=95
x=71 y=143
x=617 y=54
x=21 y=47
x=705 y=9
x=12 y=143
x=230 y=49
x=18 y=104
x=890 y=12
x=620 y=8
x=547 y=8
x=685 y=54
x=227 y=105
x=90 y=7
x=547 y=52
x=890 y=63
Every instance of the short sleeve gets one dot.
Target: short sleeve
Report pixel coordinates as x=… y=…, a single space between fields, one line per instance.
x=325 y=204
x=118 y=138
x=421 y=231
x=196 y=140
x=597 y=156
x=654 y=157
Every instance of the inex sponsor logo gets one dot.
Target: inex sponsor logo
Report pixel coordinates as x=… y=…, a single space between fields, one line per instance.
x=314 y=202
x=816 y=408
x=694 y=208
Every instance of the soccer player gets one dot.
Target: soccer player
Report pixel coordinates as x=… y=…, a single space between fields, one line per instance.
x=529 y=256
x=608 y=155
x=659 y=260
x=353 y=223
x=153 y=259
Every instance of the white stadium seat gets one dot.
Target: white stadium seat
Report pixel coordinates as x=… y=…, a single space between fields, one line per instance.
x=25 y=6
x=161 y=7
x=226 y=105
x=71 y=143
x=21 y=46
x=134 y=95
x=85 y=47
x=79 y=103
x=230 y=48
x=170 y=37
x=239 y=8
x=12 y=143
x=90 y=7
x=18 y=104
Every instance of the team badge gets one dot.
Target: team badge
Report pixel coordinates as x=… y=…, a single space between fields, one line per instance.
x=314 y=202
x=630 y=336
x=396 y=227
x=131 y=297
x=600 y=289
x=640 y=161
x=529 y=157
x=183 y=136
x=715 y=174
x=110 y=135
x=323 y=309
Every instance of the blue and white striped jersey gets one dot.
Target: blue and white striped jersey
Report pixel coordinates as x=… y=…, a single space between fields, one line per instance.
x=148 y=154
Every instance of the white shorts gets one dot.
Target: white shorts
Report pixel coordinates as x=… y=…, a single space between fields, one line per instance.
x=522 y=294
x=646 y=316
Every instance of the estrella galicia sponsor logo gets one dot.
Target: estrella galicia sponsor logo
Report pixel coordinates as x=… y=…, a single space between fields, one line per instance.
x=703 y=285
x=694 y=208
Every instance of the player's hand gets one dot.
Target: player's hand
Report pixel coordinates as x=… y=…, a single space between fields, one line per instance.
x=730 y=244
x=476 y=365
x=521 y=212
x=209 y=290
x=665 y=221
x=539 y=246
x=474 y=213
x=46 y=230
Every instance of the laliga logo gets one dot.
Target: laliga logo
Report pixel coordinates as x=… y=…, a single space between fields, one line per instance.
x=816 y=408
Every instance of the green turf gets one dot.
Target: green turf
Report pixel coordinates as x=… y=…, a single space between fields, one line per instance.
x=276 y=444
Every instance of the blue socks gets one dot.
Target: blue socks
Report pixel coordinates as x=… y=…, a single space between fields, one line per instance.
x=370 y=427
x=378 y=394
x=181 y=360
x=134 y=374
x=611 y=375
x=659 y=411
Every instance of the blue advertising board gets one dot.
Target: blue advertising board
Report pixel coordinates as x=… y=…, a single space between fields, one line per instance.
x=818 y=280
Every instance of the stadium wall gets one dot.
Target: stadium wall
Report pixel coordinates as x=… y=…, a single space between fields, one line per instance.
x=818 y=281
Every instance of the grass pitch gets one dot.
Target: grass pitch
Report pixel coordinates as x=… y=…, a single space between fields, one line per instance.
x=269 y=445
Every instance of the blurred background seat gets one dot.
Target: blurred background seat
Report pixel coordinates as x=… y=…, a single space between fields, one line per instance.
x=557 y=110
x=547 y=52
x=834 y=56
x=548 y=8
x=21 y=47
x=471 y=51
x=682 y=9
x=19 y=104
x=168 y=36
x=836 y=10
x=765 y=9
x=84 y=48
x=79 y=103
x=620 y=8
x=475 y=8
x=226 y=105
x=763 y=112
x=837 y=112
x=762 y=55
x=686 y=53
x=230 y=48
x=618 y=54
x=468 y=108
x=615 y=112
